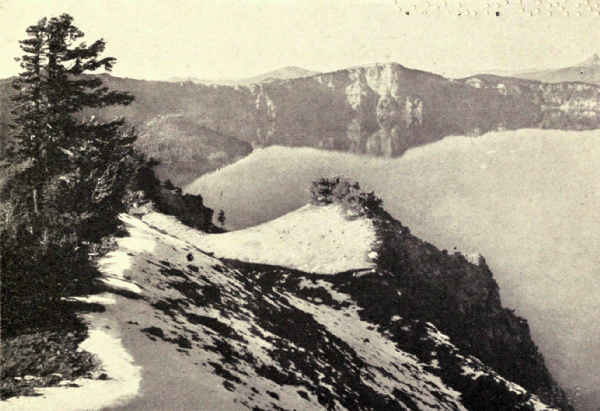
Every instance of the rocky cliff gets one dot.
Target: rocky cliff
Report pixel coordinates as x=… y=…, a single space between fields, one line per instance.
x=381 y=110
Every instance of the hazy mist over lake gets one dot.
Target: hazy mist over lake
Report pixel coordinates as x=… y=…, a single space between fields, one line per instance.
x=527 y=200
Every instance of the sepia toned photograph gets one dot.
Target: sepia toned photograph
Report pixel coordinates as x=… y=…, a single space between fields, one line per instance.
x=299 y=205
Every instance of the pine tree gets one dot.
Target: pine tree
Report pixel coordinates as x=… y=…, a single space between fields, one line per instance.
x=72 y=173
x=51 y=90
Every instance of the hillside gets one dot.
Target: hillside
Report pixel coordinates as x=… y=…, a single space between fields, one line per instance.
x=286 y=241
x=511 y=196
x=420 y=329
x=587 y=71
x=187 y=149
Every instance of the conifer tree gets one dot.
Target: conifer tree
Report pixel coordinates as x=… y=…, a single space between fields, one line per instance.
x=73 y=172
x=51 y=90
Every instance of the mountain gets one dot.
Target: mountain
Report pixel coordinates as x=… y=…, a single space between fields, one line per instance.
x=587 y=71
x=381 y=110
x=510 y=195
x=592 y=61
x=186 y=321
x=284 y=73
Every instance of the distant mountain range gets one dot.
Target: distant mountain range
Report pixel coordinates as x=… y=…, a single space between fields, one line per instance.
x=381 y=110
x=284 y=73
x=587 y=71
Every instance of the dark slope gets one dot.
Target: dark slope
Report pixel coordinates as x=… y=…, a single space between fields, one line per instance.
x=461 y=299
x=186 y=149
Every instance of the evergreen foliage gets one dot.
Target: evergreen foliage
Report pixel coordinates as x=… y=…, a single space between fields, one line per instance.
x=347 y=193
x=74 y=172
x=53 y=86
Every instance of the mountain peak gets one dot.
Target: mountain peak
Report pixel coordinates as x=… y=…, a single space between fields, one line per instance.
x=283 y=73
x=379 y=65
x=293 y=70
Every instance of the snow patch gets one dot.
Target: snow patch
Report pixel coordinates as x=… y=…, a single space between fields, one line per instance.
x=116 y=263
x=315 y=239
x=471 y=372
x=123 y=383
x=104 y=299
x=118 y=284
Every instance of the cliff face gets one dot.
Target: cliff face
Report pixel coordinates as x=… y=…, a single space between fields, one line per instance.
x=381 y=110
x=567 y=106
x=386 y=109
x=461 y=298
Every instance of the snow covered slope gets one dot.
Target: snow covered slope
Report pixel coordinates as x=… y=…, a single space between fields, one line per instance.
x=317 y=239
x=220 y=334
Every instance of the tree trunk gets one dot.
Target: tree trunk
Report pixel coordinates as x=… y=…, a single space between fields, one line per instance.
x=35 y=202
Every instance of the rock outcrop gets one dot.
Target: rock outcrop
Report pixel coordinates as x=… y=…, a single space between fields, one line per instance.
x=146 y=192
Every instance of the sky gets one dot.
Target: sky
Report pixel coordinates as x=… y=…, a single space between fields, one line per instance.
x=229 y=39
